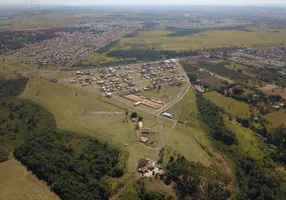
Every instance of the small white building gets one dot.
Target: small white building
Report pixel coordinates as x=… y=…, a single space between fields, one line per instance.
x=140 y=124
x=137 y=103
x=108 y=95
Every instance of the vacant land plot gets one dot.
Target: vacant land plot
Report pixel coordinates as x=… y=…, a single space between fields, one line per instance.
x=274 y=90
x=277 y=118
x=165 y=94
x=208 y=39
x=232 y=106
x=18 y=183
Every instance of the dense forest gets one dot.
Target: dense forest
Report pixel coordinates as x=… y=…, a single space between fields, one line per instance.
x=195 y=181
x=76 y=167
x=256 y=179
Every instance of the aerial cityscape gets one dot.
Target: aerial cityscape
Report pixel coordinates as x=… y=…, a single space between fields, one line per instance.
x=142 y=100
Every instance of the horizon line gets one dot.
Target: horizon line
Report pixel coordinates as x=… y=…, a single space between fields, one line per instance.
x=155 y=4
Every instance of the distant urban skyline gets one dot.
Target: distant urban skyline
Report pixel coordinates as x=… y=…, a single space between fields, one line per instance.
x=148 y=2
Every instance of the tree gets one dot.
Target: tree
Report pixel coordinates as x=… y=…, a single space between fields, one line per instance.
x=134 y=115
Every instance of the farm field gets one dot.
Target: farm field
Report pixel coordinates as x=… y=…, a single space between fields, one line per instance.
x=82 y=112
x=208 y=39
x=232 y=106
x=18 y=183
x=276 y=119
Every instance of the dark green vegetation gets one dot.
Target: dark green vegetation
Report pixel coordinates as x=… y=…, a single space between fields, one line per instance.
x=123 y=57
x=210 y=115
x=150 y=55
x=195 y=181
x=187 y=32
x=11 y=40
x=75 y=167
x=278 y=138
x=106 y=48
x=139 y=192
x=72 y=173
x=268 y=75
x=12 y=87
x=256 y=179
x=219 y=68
x=131 y=35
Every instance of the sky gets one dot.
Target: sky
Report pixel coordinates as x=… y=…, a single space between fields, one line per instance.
x=148 y=2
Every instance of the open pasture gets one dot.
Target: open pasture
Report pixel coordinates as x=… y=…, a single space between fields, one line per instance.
x=208 y=39
x=231 y=106
x=18 y=183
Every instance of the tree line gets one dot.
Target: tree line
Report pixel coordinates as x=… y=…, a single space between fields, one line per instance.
x=210 y=115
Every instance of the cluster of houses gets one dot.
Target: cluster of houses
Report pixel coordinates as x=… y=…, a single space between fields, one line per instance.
x=149 y=169
x=67 y=48
x=117 y=79
x=185 y=23
x=261 y=57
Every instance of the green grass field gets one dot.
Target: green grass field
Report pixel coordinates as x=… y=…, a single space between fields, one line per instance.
x=231 y=106
x=276 y=119
x=166 y=93
x=208 y=39
x=185 y=110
